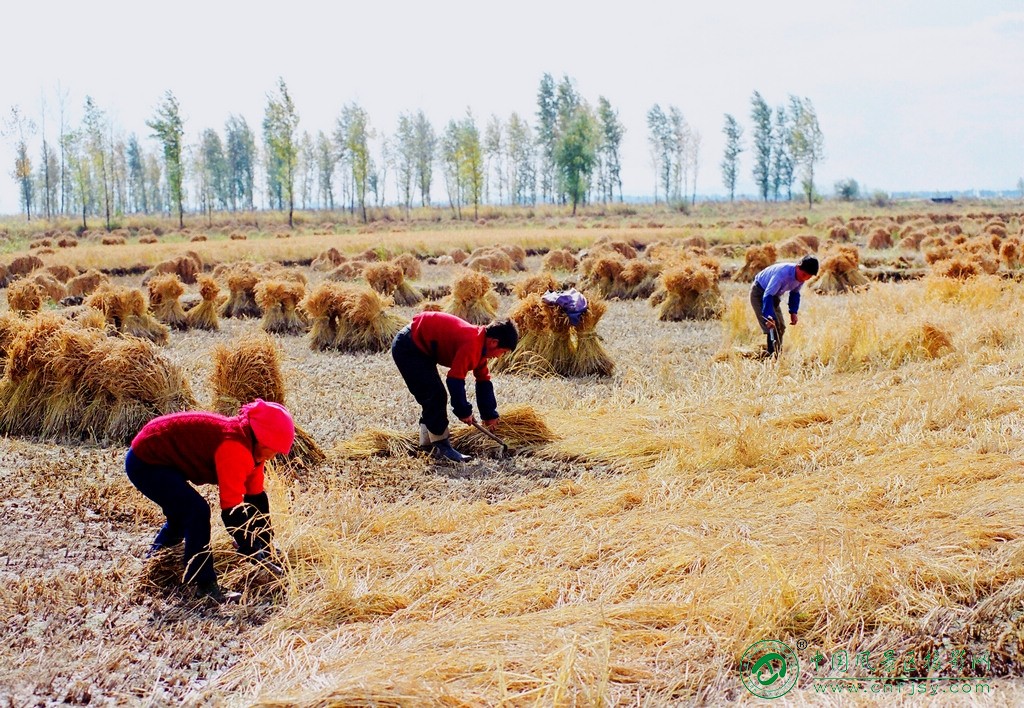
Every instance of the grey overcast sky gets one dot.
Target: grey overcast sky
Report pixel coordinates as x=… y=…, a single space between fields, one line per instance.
x=913 y=95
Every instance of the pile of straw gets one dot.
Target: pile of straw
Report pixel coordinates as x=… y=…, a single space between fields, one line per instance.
x=473 y=299
x=250 y=368
x=67 y=242
x=326 y=260
x=409 y=264
x=606 y=244
x=755 y=259
x=880 y=239
x=53 y=289
x=365 y=323
x=323 y=307
x=637 y=280
x=204 y=315
x=577 y=351
x=1011 y=253
x=279 y=301
x=539 y=284
x=690 y=292
x=490 y=260
x=87 y=283
x=125 y=310
x=187 y=267
x=113 y=240
x=600 y=272
x=839 y=272
x=349 y=270
x=149 y=238
x=25 y=297
x=64 y=380
x=559 y=260
x=532 y=357
x=242 y=280
x=517 y=254
x=388 y=278
x=21 y=266
x=522 y=429
x=458 y=256
x=63 y=273
x=164 y=291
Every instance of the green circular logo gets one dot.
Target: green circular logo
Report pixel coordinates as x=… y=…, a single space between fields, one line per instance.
x=769 y=668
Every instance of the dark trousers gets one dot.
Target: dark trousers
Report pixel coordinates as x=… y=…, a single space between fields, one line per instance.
x=188 y=514
x=420 y=374
x=757 y=302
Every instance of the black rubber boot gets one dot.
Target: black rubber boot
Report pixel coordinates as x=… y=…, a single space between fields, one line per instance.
x=443 y=448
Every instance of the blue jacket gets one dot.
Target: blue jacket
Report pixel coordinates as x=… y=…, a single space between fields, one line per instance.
x=777 y=279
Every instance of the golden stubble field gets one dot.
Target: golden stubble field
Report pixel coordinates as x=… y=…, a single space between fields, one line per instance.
x=862 y=493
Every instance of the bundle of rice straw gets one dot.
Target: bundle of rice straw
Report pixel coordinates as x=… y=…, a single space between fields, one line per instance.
x=490 y=260
x=67 y=242
x=540 y=284
x=22 y=266
x=241 y=302
x=576 y=350
x=324 y=307
x=237 y=236
x=473 y=299
x=63 y=273
x=40 y=243
x=365 y=322
x=756 y=259
x=532 y=357
x=68 y=381
x=458 y=255
x=164 y=291
x=388 y=278
x=272 y=270
x=87 y=283
x=53 y=289
x=962 y=266
x=559 y=260
x=149 y=238
x=600 y=272
x=409 y=264
x=187 y=267
x=331 y=258
x=796 y=247
x=517 y=254
x=10 y=326
x=606 y=244
x=880 y=239
x=1011 y=253
x=690 y=293
x=520 y=427
x=839 y=272
x=636 y=280
x=204 y=315
x=125 y=310
x=279 y=300
x=25 y=297
x=350 y=270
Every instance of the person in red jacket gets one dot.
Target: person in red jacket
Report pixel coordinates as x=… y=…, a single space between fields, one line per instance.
x=207 y=448
x=434 y=338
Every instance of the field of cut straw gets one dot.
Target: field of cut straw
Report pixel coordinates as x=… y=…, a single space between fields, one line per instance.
x=862 y=493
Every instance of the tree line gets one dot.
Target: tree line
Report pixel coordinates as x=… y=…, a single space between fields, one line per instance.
x=568 y=152
x=783 y=141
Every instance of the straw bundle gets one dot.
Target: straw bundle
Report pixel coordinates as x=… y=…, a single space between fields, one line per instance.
x=577 y=350
x=67 y=242
x=331 y=258
x=522 y=429
x=237 y=236
x=559 y=260
x=125 y=310
x=959 y=267
x=164 y=291
x=324 y=307
x=840 y=272
x=10 y=326
x=388 y=278
x=272 y=270
x=204 y=315
x=600 y=273
x=197 y=237
x=365 y=322
x=490 y=260
x=87 y=283
x=755 y=259
x=458 y=255
x=350 y=270
x=532 y=356
x=540 y=284
x=839 y=233
x=187 y=267
x=279 y=299
x=113 y=241
x=409 y=264
x=149 y=238
x=606 y=244
x=371 y=255
x=25 y=297
x=517 y=254
x=250 y=368
x=63 y=273
x=53 y=289
x=995 y=228
x=912 y=241
x=1010 y=253
x=794 y=247
x=23 y=265
x=472 y=298
x=242 y=298
x=65 y=380
x=691 y=293
x=880 y=239
x=637 y=280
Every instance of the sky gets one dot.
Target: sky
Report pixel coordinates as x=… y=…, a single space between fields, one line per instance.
x=911 y=95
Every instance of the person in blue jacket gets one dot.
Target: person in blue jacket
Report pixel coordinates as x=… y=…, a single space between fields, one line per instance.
x=766 y=296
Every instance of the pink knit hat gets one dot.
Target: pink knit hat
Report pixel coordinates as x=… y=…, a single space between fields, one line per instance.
x=271 y=423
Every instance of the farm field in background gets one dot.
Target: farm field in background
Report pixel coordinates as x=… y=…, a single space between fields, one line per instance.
x=861 y=493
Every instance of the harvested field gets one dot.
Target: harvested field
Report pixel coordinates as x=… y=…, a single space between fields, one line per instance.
x=862 y=492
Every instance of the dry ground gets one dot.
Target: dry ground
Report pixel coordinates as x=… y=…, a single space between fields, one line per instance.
x=862 y=493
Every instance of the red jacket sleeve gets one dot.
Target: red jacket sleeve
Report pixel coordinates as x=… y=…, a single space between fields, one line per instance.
x=235 y=464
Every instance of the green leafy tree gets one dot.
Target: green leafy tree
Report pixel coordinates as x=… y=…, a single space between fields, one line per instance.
x=169 y=128
x=215 y=163
x=678 y=143
x=782 y=158
x=241 y=156
x=612 y=131
x=136 y=176
x=761 y=117
x=471 y=162
x=18 y=127
x=847 y=190
x=426 y=150
x=731 y=158
x=807 y=143
x=547 y=136
x=306 y=169
x=659 y=138
x=522 y=176
x=80 y=171
x=405 y=159
x=95 y=130
x=449 y=153
x=326 y=161
x=156 y=194
x=352 y=137
x=494 y=156
x=280 y=132
x=576 y=154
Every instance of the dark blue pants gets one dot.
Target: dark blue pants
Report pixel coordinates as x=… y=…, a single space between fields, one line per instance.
x=420 y=374
x=188 y=514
